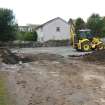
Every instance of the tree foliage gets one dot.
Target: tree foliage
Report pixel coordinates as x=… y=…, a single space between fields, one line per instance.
x=79 y=24
x=96 y=24
x=8 y=26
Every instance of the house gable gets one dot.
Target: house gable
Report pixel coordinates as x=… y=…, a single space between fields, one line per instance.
x=55 y=29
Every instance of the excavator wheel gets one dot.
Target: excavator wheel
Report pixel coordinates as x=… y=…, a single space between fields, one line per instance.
x=85 y=46
x=101 y=46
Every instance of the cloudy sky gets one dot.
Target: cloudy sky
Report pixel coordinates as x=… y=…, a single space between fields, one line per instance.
x=40 y=11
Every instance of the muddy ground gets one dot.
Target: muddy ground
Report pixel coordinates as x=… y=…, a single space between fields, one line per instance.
x=55 y=80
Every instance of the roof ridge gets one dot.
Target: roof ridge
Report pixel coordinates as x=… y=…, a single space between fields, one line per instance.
x=51 y=21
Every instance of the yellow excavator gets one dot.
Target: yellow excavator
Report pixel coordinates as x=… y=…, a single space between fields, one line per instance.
x=83 y=40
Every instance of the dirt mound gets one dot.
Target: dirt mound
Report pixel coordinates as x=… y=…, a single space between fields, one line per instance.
x=8 y=57
x=97 y=56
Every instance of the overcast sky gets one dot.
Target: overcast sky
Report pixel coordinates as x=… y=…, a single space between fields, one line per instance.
x=40 y=11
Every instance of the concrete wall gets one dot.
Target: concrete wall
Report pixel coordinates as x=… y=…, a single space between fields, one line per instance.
x=32 y=44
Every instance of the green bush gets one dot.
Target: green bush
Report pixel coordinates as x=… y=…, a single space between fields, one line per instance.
x=27 y=36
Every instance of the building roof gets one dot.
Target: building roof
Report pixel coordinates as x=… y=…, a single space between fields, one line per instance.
x=51 y=21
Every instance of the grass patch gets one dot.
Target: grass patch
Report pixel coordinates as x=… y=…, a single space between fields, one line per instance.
x=3 y=91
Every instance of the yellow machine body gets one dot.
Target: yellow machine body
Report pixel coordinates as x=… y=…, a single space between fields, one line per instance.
x=79 y=43
x=84 y=44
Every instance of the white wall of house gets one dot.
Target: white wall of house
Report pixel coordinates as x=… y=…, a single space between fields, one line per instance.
x=40 y=34
x=54 y=30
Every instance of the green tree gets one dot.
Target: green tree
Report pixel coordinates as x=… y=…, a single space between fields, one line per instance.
x=8 y=26
x=103 y=28
x=96 y=24
x=79 y=24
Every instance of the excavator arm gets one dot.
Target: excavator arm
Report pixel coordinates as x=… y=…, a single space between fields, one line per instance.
x=72 y=32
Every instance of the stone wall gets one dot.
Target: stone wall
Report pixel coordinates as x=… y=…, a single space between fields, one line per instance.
x=51 y=43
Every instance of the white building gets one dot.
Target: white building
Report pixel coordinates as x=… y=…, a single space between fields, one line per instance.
x=27 y=28
x=55 y=29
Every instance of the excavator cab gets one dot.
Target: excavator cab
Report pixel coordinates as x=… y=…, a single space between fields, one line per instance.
x=86 y=33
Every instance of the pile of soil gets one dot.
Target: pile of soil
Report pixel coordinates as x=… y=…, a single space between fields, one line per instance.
x=97 y=56
x=6 y=56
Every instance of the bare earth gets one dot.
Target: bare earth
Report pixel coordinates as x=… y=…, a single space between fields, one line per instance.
x=46 y=82
x=54 y=80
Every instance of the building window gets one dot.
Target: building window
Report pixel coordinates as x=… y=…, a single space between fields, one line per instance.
x=58 y=29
